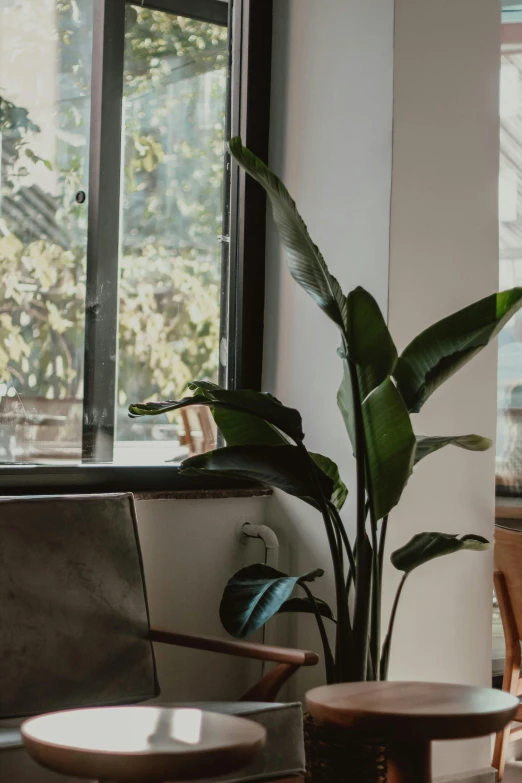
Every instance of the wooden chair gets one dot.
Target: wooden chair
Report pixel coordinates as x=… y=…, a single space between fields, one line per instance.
x=508 y=587
x=199 y=430
x=76 y=630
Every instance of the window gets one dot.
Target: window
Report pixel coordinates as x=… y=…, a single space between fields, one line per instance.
x=124 y=230
x=509 y=393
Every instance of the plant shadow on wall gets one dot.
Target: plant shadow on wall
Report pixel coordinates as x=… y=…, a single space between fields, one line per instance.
x=380 y=391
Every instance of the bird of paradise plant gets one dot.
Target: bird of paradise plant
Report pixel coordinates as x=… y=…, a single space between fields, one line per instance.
x=379 y=393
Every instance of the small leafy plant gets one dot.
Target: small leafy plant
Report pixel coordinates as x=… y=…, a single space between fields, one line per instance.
x=380 y=391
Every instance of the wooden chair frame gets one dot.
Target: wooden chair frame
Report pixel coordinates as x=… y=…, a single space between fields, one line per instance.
x=288 y=660
x=512 y=682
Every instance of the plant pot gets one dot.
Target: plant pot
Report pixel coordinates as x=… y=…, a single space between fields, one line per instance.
x=333 y=755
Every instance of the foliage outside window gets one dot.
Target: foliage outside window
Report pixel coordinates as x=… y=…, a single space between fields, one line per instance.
x=174 y=98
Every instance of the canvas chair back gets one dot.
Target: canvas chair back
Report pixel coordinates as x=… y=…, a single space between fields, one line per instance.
x=73 y=608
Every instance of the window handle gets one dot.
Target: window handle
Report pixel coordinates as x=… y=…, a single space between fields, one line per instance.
x=224 y=239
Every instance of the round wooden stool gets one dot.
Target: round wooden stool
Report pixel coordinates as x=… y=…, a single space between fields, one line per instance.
x=409 y=715
x=142 y=744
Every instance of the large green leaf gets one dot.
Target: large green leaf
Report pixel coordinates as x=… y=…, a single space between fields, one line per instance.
x=283 y=467
x=237 y=427
x=307 y=265
x=369 y=342
x=438 y=352
x=254 y=595
x=390 y=446
x=340 y=490
x=345 y=402
x=428 y=444
x=204 y=387
x=137 y=409
x=298 y=605
x=240 y=428
x=263 y=406
x=427 y=546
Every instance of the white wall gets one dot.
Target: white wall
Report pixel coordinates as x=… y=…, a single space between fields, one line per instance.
x=190 y=550
x=331 y=136
x=331 y=141
x=444 y=255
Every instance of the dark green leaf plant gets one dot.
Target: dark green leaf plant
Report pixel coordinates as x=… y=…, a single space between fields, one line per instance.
x=379 y=392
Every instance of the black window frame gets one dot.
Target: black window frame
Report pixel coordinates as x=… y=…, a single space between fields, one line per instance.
x=243 y=241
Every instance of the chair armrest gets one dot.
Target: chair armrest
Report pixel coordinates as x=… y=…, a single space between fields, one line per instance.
x=262 y=652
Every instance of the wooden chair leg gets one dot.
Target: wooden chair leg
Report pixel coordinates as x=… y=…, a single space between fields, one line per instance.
x=511 y=666
x=500 y=752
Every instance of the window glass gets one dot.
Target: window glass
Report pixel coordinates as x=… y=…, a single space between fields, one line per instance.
x=45 y=70
x=171 y=204
x=172 y=183
x=509 y=399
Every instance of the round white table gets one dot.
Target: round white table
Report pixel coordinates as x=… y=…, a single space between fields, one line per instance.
x=142 y=744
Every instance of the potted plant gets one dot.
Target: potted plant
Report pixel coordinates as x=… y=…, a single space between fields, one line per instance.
x=379 y=393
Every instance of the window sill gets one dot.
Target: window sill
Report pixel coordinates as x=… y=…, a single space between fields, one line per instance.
x=205 y=494
x=147 y=483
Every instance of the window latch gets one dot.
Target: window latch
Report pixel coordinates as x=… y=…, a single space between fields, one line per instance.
x=224 y=239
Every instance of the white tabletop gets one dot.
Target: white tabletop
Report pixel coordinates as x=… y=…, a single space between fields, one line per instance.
x=142 y=743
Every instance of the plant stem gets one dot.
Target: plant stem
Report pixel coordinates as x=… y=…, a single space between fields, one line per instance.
x=342 y=538
x=344 y=628
x=370 y=669
x=329 y=662
x=382 y=544
x=379 y=547
x=385 y=658
x=375 y=625
x=341 y=558
x=341 y=529
x=362 y=583
x=349 y=579
x=339 y=540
